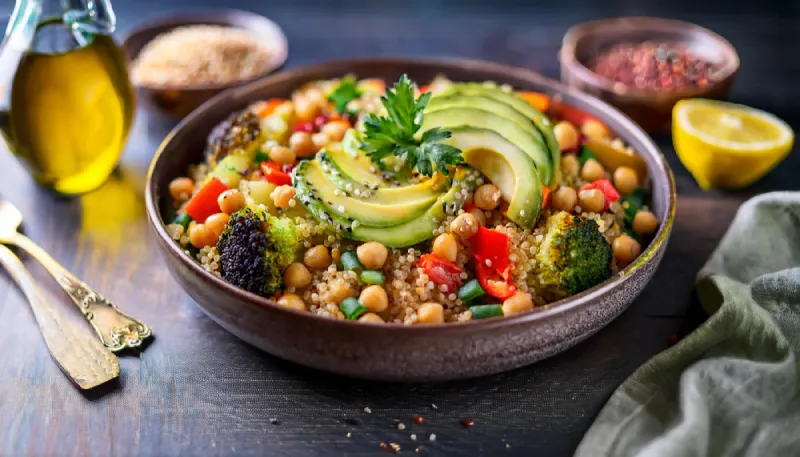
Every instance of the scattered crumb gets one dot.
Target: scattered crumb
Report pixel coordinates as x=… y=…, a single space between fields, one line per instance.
x=395 y=446
x=434 y=406
x=433 y=437
x=417 y=419
x=349 y=434
x=467 y=422
x=367 y=410
x=508 y=446
x=401 y=426
x=416 y=450
x=413 y=437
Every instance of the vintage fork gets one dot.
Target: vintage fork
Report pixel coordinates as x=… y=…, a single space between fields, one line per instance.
x=116 y=329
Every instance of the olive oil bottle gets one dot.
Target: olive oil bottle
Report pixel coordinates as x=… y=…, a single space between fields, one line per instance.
x=68 y=106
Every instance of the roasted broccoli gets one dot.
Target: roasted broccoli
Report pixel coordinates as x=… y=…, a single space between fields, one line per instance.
x=240 y=133
x=573 y=256
x=255 y=248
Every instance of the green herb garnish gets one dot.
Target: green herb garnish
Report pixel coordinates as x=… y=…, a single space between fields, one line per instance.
x=385 y=136
x=585 y=154
x=352 y=308
x=346 y=92
x=261 y=156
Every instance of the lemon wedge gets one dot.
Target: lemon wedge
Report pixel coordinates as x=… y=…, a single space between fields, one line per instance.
x=728 y=146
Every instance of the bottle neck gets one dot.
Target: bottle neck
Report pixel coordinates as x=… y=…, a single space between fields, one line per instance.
x=83 y=18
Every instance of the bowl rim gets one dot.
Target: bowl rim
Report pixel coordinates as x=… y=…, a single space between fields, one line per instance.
x=201 y=16
x=548 y=311
x=567 y=55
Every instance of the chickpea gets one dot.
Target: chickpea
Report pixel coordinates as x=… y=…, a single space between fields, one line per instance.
x=592 y=200
x=625 y=250
x=465 y=226
x=479 y=216
x=282 y=155
x=566 y=135
x=282 y=196
x=445 y=247
x=517 y=303
x=230 y=201
x=374 y=298
x=297 y=275
x=592 y=170
x=306 y=108
x=201 y=236
x=570 y=165
x=292 y=301
x=372 y=255
x=339 y=290
x=317 y=258
x=430 y=313
x=594 y=130
x=285 y=110
x=301 y=144
x=335 y=129
x=370 y=317
x=320 y=140
x=181 y=188
x=625 y=180
x=564 y=199
x=645 y=223
x=487 y=197
x=217 y=223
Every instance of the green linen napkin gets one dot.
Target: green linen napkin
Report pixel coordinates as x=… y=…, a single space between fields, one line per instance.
x=732 y=387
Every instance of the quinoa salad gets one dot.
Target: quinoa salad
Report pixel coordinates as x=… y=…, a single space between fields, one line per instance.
x=413 y=204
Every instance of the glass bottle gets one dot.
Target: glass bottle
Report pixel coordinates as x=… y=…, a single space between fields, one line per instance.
x=66 y=102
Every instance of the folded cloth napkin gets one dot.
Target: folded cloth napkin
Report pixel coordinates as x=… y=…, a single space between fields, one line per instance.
x=732 y=387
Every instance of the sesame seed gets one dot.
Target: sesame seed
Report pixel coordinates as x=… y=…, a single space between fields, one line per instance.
x=432 y=437
x=401 y=426
x=413 y=437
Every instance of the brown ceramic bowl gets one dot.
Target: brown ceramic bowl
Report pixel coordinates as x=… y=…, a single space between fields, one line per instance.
x=652 y=110
x=398 y=352
x=177 y=102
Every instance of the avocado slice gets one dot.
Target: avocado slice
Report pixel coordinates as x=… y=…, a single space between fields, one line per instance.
x=479 y=118
x=429 y=188
x=537 y=117
x=364 y=211
x=506 y=166
x=403 y=235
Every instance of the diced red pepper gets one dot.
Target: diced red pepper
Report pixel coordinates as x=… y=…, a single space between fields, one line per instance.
x=493 y=283
x=491 y=250
x=441 y=271
x=319 y=121
x=303 y=127
x=269 y=107
x=425 y=88
x=604 y=186
x=469 y=207
x=204 y=203
x=545 y=196
x=536 y=99
x=273 y=173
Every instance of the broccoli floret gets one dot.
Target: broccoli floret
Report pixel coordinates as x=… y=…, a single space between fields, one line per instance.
x=241 y=132
x=574 y=255
x=255 y=248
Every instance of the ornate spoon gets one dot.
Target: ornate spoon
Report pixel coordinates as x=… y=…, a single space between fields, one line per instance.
x=116 y=329
x=81 y=357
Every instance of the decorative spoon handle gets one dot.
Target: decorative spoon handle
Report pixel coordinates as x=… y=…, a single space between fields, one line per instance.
x=81 y=357
x=116 y=329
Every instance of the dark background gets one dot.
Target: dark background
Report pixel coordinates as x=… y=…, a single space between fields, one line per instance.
x=199 y=391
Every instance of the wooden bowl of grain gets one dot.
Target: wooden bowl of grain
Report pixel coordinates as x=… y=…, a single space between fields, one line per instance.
x=178 y=62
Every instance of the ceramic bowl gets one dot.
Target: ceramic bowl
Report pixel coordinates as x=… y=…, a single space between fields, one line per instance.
x=397 y=352
x=652 y=110
x=177 y=102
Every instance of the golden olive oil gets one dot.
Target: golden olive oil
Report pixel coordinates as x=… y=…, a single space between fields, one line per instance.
x=70 y=113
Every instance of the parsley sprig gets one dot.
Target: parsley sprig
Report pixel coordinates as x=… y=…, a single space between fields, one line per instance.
x=394 y=134
x=343 y=94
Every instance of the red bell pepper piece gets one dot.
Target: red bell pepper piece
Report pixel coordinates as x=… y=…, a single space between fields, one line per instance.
x=573 y=115
x=493 y=283
x=441 y=271
x=425 y=88
x=492 y=246
x=268 y=107
x=204 y=203
x=469 y=207
x=273 y=173
x=536 y=99
x=604 y=186
x=307 y=127
x=545 y=196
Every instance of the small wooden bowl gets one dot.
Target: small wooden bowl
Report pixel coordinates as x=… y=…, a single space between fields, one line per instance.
x=177 y=102
x=652 y=110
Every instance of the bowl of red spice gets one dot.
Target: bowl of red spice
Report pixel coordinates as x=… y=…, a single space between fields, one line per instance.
x=645 y=65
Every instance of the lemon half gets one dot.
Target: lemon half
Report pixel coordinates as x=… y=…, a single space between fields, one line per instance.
x=728 y=146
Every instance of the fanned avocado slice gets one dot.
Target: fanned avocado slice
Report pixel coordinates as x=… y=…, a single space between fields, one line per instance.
x=537 y=117
x=364 y=211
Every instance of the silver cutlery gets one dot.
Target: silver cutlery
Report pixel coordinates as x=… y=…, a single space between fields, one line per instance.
x=116 y=329
x=87 y=362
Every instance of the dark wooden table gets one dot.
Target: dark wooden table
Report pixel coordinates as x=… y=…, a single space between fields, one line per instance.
x=199 y=391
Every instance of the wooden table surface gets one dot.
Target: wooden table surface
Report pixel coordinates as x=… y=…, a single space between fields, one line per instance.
x=199 y=391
